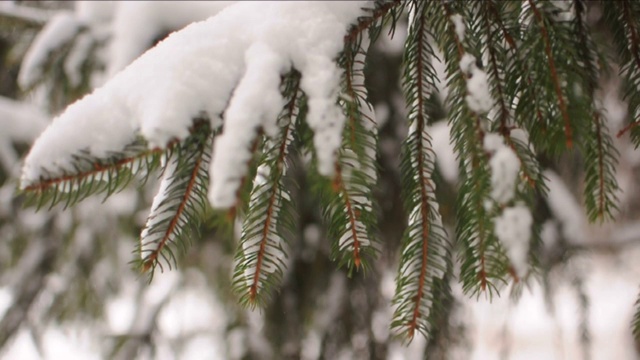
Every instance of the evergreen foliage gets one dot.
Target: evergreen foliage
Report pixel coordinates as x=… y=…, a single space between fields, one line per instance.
x=542 y=68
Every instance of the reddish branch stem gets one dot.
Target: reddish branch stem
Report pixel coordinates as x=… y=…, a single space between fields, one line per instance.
x=153 y=257
x=98 y=167
x=365 y=23
x=339 y=184
x=424 y=196
x=253 y=289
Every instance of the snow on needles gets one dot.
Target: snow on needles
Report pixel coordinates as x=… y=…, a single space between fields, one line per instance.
x=196 y=70
x=478 y=97
x=458 y=23
x=513 y=229
x=505 y=166
x=513 y=226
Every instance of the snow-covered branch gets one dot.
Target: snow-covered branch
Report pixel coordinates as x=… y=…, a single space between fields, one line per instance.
x=200 y=70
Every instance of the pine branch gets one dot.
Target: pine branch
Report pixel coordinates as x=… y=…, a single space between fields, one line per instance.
x=424 y=259
x=349 y=214
x=483 y=263
x=622 y=17
x=93 y=175
x=382 y=9
x=260 y=258
x=348 y=206
x=180 y=204
x=496 y=12
x=542 y=24
x=600 y=153
x=498 y=70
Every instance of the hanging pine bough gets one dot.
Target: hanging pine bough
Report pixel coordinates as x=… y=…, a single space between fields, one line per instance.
x=522 y=81
x=424 y=260
x=261 y=256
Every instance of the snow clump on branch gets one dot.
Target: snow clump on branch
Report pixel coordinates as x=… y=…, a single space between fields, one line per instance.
x=478 y=97
x=203 y=68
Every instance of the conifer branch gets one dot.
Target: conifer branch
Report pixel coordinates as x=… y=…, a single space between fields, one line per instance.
x=424 y=258
x=483 y=263
x=554 y=73
x=625 y=26
x=600 y=181
x=634 y=39
x=496 y=74
x=540 y=76
x=366 y=23
x=514 y=49
x=352 y=218
x=93 y=175
x=260 y=258
x=348 y=206
x=179 y=206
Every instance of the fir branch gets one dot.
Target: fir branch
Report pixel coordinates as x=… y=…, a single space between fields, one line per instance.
x=180 y=204
x=259 y=260
x=634 y=39
x=380 y=11
x=497 y=19
x=483 y=263
x=347 y=206
x=93 y=175
x=600 y=181
x=496 y=71
x=553 y=72
x=424 y=258
x=620 y=16
x=354 y=224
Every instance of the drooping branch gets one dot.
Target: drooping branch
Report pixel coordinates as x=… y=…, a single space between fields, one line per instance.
x=260 y=259
x=555 y=79
x=178 y=207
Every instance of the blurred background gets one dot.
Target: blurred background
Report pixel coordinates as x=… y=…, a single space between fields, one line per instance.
x=68 y=290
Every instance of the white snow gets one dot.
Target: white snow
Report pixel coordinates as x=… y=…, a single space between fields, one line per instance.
x=505 y=165
x=59 y=30
x=492 y=142
x=76 y=57
x=443 y=148
x=137 y=23
x=513 y=229
x=256 y=104
x=565 y=208
x=458 y=23
x=197 y=69
x=95 y=12
x=19 y=122
x=478 y=96
x=27 y=13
